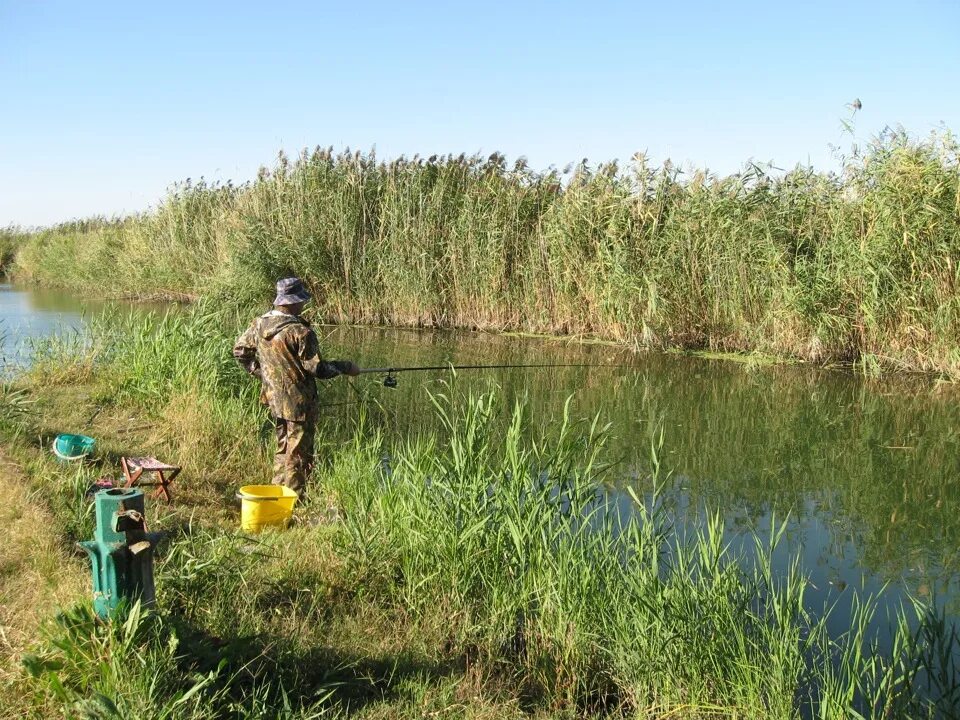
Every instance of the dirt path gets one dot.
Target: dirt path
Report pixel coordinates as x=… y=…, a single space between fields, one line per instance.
x=37 y=575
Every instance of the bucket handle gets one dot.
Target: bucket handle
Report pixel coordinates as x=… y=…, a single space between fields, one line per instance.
x=258 y=499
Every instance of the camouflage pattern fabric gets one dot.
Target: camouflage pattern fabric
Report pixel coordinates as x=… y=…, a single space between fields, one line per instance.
x=282 y=350
x=294 y=458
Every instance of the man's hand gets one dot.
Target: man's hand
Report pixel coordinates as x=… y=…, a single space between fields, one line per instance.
x=346 y=367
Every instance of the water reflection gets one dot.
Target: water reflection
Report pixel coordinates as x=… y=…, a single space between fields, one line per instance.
x=868 y=472
x=28 y=315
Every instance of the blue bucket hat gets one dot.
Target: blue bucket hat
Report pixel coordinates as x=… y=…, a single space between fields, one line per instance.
x=290 y=291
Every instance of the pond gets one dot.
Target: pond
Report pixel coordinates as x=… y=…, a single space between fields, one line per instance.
x=865 y=473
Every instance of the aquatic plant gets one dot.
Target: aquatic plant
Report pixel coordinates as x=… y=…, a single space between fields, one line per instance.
x=856 y=266
x=10 y=240
x=508 y=534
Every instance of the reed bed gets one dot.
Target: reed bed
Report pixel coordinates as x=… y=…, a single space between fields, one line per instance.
x=856 y=266
x=10 y=240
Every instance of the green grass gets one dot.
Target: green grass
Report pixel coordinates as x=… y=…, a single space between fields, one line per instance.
x=473 y=571
x=10 y=240
x=473 y=551
x=861 y=265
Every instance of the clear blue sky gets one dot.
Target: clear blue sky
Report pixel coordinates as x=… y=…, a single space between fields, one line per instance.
x=105 y=104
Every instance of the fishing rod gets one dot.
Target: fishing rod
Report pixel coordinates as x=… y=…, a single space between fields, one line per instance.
x=391 y=382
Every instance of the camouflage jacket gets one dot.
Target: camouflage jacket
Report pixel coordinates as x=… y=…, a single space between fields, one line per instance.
x=282 y=351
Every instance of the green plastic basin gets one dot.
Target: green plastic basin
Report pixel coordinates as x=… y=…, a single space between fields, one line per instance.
x=73 y=447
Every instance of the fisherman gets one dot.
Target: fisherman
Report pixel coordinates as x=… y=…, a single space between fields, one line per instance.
x=281 y=349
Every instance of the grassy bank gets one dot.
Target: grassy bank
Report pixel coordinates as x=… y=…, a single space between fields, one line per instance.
x=856 y=266
x=470 y=572
x=38 y=576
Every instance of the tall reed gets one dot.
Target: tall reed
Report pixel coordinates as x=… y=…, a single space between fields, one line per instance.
x=508 y=534
x=10 y=241
x=857 y=265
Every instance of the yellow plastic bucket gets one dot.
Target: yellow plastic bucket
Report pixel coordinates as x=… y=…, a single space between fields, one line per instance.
x=265 y=506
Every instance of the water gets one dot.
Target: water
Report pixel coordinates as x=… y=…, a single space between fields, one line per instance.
x=865 y=473
x=23 y=319
x=31 y=315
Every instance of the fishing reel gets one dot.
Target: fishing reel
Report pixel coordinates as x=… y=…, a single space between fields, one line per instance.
x=390 y=381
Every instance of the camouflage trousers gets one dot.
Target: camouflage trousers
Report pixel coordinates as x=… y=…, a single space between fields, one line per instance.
x=294 y=458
